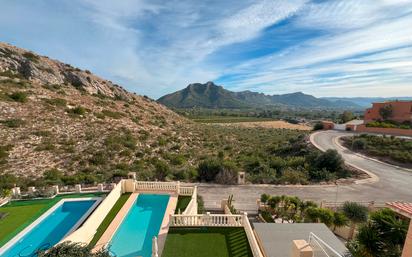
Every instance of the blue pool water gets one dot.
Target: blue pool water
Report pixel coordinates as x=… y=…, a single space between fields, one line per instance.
x=141 y=224
x=52 y=229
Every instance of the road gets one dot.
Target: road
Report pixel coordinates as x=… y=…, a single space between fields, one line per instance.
x=387 y=182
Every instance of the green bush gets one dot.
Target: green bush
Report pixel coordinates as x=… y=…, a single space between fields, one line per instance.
x=13 y=123
x=318 y=126
x=112 y=114
x=56 y=101
x=19 y=96
x=208 y=169
x=359 y=144
x=78 y=110
x=72 y=250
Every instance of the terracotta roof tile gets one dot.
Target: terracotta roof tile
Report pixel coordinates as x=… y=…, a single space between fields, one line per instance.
x=401 y=208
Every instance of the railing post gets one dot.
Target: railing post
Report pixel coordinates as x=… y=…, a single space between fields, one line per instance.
x=244 y=219
x=31 y=189
x=178 y=188
x=78 y=188
x=56 y=189
x=207 y=221
x=16 y=192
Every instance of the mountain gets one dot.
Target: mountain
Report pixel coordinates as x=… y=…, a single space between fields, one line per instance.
x=365 y=101
x=212 y=96
x=55 y=116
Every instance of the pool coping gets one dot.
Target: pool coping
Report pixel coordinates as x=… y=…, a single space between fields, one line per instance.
x=108 y=235
x=164 y=227
x=116 y=222
x=27 y=229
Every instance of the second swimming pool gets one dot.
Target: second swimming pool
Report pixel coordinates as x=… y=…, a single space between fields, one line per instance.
x=141 y=224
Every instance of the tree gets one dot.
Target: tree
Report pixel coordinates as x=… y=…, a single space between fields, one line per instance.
x=318 y=126
x=347 y=116
x=382 y=236
x=208 y=169
x=329 y=161
x=72 y=250
x=5 y=192
x=386 y=112
x=161 y=170
x=356 y=213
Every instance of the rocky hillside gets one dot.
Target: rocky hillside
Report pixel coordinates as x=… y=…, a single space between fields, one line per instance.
x=55 y=116
x=211 y=96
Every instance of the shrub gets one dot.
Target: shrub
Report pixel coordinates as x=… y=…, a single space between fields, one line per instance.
x=72 y=249
x=56 y=101
x=12 y=123
x=228 y=174
x=78 y=110
x=318 y=126
x=330 y=160
x=208 y=169
x=32 y=57
x=358 y=144
x=112 y=114
x=20 y=97
x=162 y=170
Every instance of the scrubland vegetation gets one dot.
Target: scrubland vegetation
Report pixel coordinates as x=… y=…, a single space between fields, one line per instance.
x=388 y=148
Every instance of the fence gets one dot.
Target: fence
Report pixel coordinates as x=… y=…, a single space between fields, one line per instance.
x=320 y=248
x=156 y=186
x=371 y=205
x=191 y=208
x=219 y=220
x=206 y=220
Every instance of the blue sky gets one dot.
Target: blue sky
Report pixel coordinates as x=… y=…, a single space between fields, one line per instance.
x=320 y=47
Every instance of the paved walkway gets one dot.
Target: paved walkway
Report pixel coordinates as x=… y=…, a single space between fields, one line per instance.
x=388 y=183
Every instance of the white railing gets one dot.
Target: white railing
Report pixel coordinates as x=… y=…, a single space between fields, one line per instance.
x=4 y=201
x=320 y=248
x=219 y=220
x=206 y=220
x=254 y=246
x=156 y=186
x=191 y=208
x=186 y=191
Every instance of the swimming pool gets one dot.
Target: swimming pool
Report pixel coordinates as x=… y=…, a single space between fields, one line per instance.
x=50 y=228
x=141 y=224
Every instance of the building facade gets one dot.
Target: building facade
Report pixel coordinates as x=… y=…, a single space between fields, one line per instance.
x=401 y=111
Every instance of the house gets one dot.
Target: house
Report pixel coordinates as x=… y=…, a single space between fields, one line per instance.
x=400 y=111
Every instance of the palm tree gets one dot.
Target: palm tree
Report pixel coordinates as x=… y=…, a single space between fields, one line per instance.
x=356 y=213
x=339 y=220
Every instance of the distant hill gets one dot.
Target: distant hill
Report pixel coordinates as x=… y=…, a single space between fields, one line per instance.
x=365 y=101
x=213 y=96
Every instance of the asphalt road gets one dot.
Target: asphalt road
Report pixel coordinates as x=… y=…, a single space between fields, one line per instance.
x=387 y=182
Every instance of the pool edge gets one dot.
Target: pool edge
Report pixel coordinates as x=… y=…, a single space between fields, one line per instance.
x=36 y=222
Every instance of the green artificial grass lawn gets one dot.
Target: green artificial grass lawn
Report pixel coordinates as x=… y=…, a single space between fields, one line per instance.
x=20 y=214
x=182 y=203
x=109 y=218
x=206 y=242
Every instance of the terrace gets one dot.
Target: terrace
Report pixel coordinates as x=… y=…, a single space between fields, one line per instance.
x=176 y=229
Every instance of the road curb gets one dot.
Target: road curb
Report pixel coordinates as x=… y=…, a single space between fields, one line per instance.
x=373 y=177
x=367 y=157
